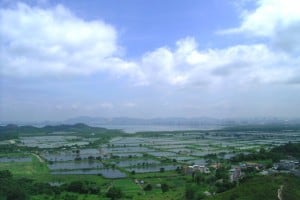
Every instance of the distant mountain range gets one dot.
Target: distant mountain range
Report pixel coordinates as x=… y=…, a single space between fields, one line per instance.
x=169 y=121
x=176 y=121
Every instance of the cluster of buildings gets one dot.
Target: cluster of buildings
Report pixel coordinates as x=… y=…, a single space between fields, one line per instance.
x=286 y=165
x=195 y=168
x=237 y=172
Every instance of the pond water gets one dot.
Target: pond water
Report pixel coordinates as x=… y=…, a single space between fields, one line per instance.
x=201 y=153
x=181 y=150
x=15 y=159
x=124 y=155
x=182 y=158
x=107 y=173
x=131 y=163
x=75 y=165
x=61 y=156
x=198 y=162
x=228 y=156
x=71 y=155
x=53 y=141
x=162 y=154
x=89 y=151
x=139 y=128
x=156 y=168
x=127 y=149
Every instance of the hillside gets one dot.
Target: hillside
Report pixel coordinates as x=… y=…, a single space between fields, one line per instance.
x=12 y=131
x=263 y=187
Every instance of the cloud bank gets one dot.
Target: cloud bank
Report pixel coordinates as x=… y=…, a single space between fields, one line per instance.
x=53 y=42
x=276 y=20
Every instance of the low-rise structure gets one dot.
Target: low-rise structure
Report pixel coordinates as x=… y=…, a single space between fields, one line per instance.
x=235 y=174
x=286 y=165
x=195 y=168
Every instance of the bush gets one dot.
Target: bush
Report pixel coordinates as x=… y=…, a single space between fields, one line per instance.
x=164 y=187
x=10 y=189
x=83 y=187
x=148 y=187
x=77 y=187
x=114 y=193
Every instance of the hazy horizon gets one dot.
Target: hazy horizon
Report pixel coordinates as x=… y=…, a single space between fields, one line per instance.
x=163 y=121
x=148 y=59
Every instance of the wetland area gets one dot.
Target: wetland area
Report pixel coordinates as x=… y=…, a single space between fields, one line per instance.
x=139 y=164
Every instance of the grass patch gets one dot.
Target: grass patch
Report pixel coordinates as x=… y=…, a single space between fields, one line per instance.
x=127 y=185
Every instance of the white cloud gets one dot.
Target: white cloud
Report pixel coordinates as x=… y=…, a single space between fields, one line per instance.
x=106 y=105
x=187 y=65
x=129 y=105
x=269 y=16
x=54 y=42
x=277 y=20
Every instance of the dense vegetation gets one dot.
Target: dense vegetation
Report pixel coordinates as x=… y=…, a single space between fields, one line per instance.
x=33 y=179
x=289 y=149
x=265 y=127
x=23 y=188
x=11 y=131
x=275 y=154
x=263 y=187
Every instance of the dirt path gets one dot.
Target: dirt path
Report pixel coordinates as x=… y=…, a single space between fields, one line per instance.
x=279 y=193
x=110 y=186
x=142 y=189
x=38 y=157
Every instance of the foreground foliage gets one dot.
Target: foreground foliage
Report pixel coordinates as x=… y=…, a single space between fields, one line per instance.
x=263 y=187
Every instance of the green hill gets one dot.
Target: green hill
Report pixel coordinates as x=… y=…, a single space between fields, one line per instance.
x=263 y=187
x=12 y=131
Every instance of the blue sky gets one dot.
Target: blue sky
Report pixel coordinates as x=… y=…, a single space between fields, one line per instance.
x=223 y=59
x=146 y=25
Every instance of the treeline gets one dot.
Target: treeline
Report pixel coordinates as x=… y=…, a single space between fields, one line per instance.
x=8 y=132
x=275 y=154
x=263 y=187
x=217 y=181
x=12 y=131
x=264 y=127
x=23 y=188
x=291 y=149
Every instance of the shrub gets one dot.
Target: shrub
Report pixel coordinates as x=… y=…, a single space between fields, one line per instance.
x=148 y=187
x=114 y=193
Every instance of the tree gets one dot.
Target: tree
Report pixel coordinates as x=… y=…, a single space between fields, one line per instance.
x=148 y=187
x=11 y=189
x=192 y=193
x=16 y=193
x=114 y=193
x=221 y=173
x=164 y=187
x=5 y=174
x=78 y=187
x=199 y=178
x=189 y=192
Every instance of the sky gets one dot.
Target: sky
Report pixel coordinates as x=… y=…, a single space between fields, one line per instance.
x=146 y=59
